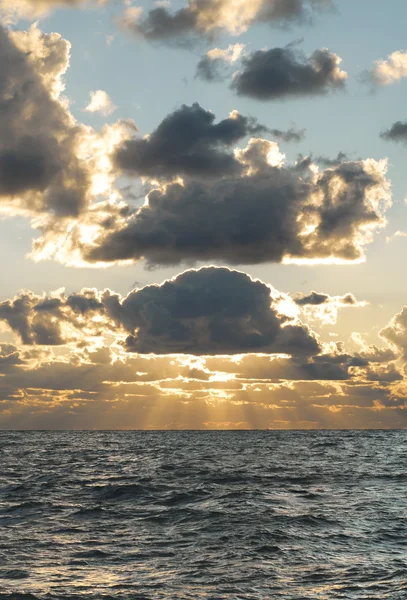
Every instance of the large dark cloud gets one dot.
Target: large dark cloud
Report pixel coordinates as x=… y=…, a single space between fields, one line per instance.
x=279 y=72
x=396 y=133
x=52 y=168
x=39 y=167
x=210 y=311
x=188 y=142
x=207 y=18
x=271 y=212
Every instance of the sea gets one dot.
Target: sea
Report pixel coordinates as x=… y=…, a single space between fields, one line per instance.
x=101 y=515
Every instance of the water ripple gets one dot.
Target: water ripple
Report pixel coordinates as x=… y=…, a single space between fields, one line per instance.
x=203 y=515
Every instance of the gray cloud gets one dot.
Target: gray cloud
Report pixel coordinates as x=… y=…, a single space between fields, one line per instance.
x=205 y=19
x=39 y=321
x=396 y=332
x=210 y=311
x=375 y=355
x=51 y=167
x=270 y=212
x=325 y=367
x=289 y=135
x=280 y=72
x=313 y=298
x=39 y=168
x=332 y=162
x=188 y=142
x=324 y=308
x=316 y=299
x=105 y=387
x=375 y=364
x=212 y=69
x=9 y=358
x=217 y=63
x=142 y=393
x=396 y=133
x=384 y=374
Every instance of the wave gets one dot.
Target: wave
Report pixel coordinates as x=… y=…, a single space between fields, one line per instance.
x=285 y=515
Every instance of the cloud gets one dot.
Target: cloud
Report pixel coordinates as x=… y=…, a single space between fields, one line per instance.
x=52 y=168
x=396 y=133
x=267 y=212
x=107 y=392
x=31 y=9
x=396 y=234
x=215 y=65
x=210 y=311
x=283 y=72
x=232 y=204
x=323 y=307
x=368 y=354
x=387 y=373
x=273 y=74
x=389 y=71
x=207 y=312
x=316 y=299
x=326 y=367
x=332 y=162
x=9 y=358
x=39 y=167
x=54 y=320
x=289 y=135
x=100 y=102
x=188 y=142
x=205 y=19
x=396 y=332
x=100 y=382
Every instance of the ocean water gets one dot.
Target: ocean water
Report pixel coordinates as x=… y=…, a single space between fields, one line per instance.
x=203 y=515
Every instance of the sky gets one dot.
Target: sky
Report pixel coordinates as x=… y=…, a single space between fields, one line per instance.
x=203 y=220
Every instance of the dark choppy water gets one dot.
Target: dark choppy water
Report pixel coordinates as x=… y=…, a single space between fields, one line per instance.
x=203 y=515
